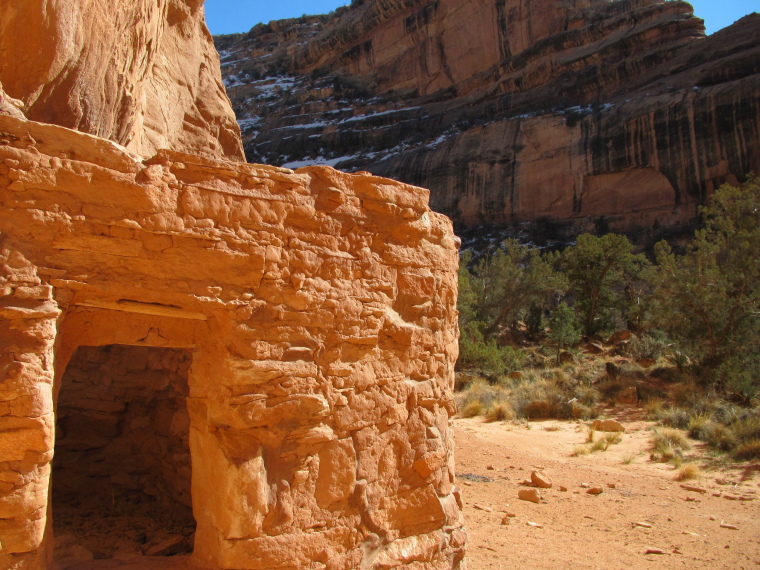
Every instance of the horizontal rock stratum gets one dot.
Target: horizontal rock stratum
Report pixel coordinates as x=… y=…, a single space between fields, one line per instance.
x=510 y=110
x=318 y=309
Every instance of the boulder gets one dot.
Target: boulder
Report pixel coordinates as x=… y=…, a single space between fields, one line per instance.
x=608 y=426
x=529 y=495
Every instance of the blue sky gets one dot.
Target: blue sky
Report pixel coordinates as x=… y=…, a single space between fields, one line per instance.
x=230 y=16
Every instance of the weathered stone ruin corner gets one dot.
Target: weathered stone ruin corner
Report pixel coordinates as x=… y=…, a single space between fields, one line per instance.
x=315 y=310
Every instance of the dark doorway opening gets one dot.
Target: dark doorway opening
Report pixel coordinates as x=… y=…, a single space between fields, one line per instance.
x=121 y=471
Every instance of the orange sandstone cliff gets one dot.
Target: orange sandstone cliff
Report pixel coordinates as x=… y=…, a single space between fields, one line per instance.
x=510 y=110
x=256 y=364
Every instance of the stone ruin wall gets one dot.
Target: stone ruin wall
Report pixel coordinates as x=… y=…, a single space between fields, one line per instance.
x=316 y=312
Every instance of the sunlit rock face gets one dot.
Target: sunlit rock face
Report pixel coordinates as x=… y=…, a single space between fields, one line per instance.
x=254 y=364
x=142 y=73
x=510 y=110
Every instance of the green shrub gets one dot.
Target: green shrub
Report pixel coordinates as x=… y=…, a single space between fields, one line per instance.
x=477 y=353
x=647 y=346
x=741 y=376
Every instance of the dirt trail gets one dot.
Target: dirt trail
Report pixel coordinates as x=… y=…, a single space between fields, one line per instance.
x=578 y=530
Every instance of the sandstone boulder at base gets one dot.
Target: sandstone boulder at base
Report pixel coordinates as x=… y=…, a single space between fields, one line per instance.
x=608 y=425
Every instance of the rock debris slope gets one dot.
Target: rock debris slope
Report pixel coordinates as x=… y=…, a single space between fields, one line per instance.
x=271 y=349
x=510 y=110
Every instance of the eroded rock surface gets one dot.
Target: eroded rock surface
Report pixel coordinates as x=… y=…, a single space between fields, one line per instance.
x=317 y=311
x=142 y=73
x=510 y=110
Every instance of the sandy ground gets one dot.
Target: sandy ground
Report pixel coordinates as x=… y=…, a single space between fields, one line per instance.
x=641 y=508
x=573 y=529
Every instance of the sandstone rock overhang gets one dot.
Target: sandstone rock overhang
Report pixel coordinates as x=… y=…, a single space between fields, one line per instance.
x=142 y=73
x=317 y=309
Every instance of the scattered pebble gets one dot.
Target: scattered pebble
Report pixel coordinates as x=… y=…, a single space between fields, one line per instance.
x=595 y=491
x=482 y=508
x=643 y=524
x=655 y=551
x=563 y=488
x=540 y=480
x=728 y=526
x=536 y=525
x=693 y=489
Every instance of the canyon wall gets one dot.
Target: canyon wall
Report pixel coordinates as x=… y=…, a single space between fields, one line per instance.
x=142 y=73
x=510 y=110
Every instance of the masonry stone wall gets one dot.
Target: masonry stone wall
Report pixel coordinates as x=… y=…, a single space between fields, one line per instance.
x=318 y=313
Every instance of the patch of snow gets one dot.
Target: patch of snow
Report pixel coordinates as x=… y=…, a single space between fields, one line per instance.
x=320 y=160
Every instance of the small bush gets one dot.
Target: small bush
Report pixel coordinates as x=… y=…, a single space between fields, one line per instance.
x=647 y=346
x=748 y=450
x=612 y=388
x=628 y=458
x=586 y=395
x=668 y=445
x=580 y=450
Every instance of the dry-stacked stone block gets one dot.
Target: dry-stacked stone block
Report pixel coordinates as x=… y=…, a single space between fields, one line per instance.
x=286 y=339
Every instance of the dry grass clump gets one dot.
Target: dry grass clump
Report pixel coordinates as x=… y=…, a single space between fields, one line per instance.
x=500 y=411
x=672 y=437
x=668 y=445
x=581 y=450
x=748 y=450
x=597 y=444
x=653 y=407
x=720 y=437
x=471 y=409
x=688 y=472
x=628 y=458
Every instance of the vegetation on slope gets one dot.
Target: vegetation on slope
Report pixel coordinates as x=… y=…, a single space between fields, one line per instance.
x=682 y=328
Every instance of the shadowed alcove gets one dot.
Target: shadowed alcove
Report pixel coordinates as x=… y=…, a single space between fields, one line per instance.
x=122 y=470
